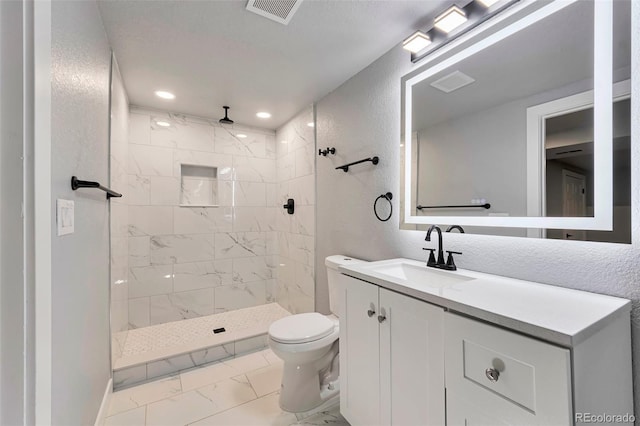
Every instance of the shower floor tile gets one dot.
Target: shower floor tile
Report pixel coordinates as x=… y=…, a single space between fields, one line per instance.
x=179 y=345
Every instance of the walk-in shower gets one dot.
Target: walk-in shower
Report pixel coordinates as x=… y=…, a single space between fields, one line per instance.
x=203 y=255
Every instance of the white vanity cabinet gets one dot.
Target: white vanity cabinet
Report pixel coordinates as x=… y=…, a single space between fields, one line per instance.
x=486 y=350
x=391 y=357
x=495 y=376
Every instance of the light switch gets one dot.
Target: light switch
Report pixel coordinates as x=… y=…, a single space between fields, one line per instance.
x=65 y=216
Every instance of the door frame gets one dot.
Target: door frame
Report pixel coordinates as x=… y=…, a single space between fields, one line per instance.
x=536 y=129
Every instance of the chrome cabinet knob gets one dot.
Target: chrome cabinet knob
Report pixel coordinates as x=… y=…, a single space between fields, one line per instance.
x=492 y=374
x=381 y=318
x=371 y=313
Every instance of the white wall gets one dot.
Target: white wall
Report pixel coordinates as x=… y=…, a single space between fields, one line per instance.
x=362 y=118
x=296 y=158
x=453 y=153
x=12 y=264
x=80 y=261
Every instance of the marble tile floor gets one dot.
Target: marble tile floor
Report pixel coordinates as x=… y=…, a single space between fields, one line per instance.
x=242 y=391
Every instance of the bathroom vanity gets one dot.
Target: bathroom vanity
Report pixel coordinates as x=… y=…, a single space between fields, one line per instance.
x=420 y=346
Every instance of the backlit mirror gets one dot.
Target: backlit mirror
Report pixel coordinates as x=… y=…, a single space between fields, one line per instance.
x=526 y=129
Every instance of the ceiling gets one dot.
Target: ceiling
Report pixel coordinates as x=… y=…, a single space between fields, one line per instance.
x=215 y=53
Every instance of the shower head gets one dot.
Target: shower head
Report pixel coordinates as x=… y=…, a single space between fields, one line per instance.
x=226 y=119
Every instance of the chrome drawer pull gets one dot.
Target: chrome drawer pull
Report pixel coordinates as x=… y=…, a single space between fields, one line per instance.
x=371 y=313
x=492 y=374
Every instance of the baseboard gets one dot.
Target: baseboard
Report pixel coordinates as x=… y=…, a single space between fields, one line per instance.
x=104 y=407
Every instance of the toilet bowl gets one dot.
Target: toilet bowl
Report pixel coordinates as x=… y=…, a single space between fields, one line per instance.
x=308 y=345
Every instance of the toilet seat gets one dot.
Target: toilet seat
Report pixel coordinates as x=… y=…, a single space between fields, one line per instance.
x=301 y=328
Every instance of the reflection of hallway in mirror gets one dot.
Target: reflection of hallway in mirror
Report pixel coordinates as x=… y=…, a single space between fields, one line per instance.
x=569 y=172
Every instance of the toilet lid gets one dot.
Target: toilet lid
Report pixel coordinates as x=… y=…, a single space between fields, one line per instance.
x=301 y=328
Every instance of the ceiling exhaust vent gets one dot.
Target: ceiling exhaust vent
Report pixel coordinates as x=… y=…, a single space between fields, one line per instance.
x=277 y=10
x=453 y=81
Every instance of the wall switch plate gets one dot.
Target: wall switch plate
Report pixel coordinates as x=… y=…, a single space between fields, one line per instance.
x=64 y=216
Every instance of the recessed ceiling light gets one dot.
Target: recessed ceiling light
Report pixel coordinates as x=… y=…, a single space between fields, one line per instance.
x=163 y=123
x=165 y=95
x=416 y=42
x=311 y=124
x=241 y=135
x=488 y=3
x=263 y=115
x=451 y=19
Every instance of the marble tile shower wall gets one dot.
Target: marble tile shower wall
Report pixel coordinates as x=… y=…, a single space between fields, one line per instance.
x=296 y=153
x=186 y=262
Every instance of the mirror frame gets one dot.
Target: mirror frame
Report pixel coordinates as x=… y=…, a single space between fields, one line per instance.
x=603 y=126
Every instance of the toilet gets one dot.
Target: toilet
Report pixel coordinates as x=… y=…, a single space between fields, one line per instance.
x=308 y=345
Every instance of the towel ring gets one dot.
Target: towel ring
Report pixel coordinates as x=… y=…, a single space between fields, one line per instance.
x=388 y=196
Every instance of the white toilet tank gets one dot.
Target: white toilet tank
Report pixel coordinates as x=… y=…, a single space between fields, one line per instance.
x=334 y=281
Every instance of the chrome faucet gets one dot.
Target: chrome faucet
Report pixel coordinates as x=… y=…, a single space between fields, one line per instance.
x=439 y=262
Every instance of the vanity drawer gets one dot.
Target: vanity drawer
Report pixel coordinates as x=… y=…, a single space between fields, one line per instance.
x=498 y=371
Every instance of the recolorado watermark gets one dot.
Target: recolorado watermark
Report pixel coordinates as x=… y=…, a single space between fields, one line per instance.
x=605 y=418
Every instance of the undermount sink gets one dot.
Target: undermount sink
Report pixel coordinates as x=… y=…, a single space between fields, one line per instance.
x=420 y=274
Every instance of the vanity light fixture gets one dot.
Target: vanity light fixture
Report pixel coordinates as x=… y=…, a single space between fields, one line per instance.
x=263 y=114
x=451 y=24
x=416 y=42
x=488 y=3
x=451 y=19
x=241 y=135
x=163 y=123
x=165 y=95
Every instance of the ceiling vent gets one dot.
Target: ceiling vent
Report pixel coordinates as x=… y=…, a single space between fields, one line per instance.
x=453 y=81
x=277 y=10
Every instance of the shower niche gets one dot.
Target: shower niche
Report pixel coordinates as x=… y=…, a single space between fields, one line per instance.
x=198 y=186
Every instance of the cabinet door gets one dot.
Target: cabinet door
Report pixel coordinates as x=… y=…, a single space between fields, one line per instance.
x=411 y=361
x=495 y=376
x=359 y=356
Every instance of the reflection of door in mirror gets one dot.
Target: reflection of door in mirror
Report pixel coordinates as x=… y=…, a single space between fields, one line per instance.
x=574 y=200
x=568 y=177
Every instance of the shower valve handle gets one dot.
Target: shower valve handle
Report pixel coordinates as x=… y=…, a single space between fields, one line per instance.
x=289 y=206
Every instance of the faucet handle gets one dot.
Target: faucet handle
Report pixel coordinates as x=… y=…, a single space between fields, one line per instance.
x=432 y=256
x=451 y=265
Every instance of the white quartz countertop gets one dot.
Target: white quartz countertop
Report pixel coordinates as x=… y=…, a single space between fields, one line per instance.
x=555 y=314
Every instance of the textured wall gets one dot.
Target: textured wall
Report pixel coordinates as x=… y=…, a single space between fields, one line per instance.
x=12 y=264
x=186 y=262
x=362 y=118
x=296 y=151
x=80 y=272
x=119 y=213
